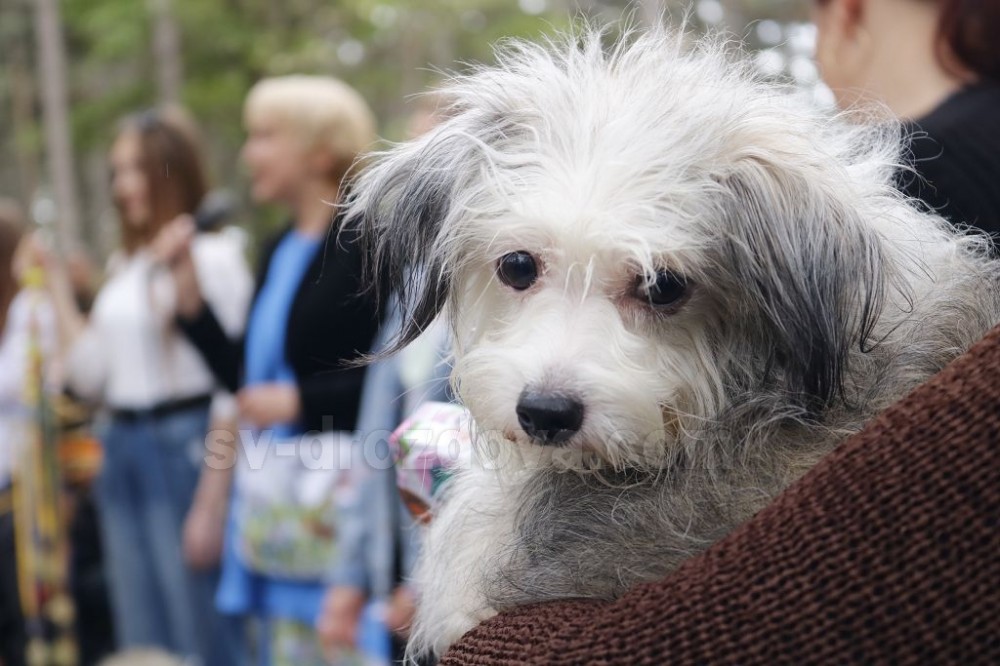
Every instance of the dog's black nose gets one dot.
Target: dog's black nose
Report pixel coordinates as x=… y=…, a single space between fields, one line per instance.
x=549 y=418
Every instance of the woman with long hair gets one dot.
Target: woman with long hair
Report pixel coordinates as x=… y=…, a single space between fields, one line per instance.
x=935 y=64
x=129 y=356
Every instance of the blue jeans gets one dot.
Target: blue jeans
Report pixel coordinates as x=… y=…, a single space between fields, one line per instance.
x=150 y=473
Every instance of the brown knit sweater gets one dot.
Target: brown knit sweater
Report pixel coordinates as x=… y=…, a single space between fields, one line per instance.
x=887 y=552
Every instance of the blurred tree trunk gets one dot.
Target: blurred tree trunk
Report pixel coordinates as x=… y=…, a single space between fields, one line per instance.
x=55 y=114
x=14 y=52
x=166 y=52
x=411 y=56
x=22 y=117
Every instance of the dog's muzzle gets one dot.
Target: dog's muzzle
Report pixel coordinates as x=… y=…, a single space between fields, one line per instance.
x=549 y=418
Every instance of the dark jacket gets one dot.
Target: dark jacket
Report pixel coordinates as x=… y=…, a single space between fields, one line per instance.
x=331 y=321
x=956 y=153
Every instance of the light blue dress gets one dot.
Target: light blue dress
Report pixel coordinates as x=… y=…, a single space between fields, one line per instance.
x=243 y=591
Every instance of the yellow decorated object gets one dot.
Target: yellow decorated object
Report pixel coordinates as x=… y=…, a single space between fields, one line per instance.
x=41 y=534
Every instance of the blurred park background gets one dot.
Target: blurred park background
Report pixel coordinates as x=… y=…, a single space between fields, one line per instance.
x=70 y=69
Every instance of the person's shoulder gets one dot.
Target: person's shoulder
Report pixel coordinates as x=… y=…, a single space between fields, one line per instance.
x=972 y=110
x=272 y=241
x=225 y=243
x=965 y=127
x=346 y=235
x=117 y=262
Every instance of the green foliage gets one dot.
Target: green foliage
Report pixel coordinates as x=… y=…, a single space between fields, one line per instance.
x=388 y=49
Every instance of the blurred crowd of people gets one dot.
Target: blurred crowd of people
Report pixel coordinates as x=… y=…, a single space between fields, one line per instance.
x=210 y=555
x=213 y=545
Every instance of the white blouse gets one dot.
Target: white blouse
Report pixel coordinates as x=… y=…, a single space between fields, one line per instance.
x=131 y=355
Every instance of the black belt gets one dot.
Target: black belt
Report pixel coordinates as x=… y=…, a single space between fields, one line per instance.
x=163 y=409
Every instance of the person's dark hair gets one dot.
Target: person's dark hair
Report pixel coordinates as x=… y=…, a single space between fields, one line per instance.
x=174 y=168
x=969 y=29
x=11 y=232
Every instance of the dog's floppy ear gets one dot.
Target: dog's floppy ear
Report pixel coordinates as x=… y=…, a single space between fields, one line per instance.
x=400 y=206
x=814 y=274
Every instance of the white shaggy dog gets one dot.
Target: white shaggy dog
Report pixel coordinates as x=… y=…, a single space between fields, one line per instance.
x=654 y=260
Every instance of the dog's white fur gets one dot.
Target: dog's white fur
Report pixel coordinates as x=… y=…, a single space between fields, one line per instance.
x=818 y=297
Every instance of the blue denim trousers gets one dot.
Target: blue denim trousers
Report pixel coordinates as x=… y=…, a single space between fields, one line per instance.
x=145 y=489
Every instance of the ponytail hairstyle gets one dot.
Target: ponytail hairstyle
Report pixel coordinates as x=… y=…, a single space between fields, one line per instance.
x=968 y=33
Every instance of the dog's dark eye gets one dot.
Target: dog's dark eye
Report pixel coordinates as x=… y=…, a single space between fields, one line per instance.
x=666 y=290
x=517 y=270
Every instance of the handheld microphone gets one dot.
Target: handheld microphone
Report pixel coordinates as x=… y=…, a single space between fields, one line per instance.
x=215 y=208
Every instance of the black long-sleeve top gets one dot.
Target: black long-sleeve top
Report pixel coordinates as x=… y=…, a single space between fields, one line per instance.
x=332 y=320
x=956 y=152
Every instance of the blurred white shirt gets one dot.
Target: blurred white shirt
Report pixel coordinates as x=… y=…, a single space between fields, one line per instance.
x=132 y=356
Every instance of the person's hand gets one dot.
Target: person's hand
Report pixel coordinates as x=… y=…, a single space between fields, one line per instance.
x=33 y=252
x=203 y=532
x=264 y=405
x=172 y=248
x=173 y=242
x=339 y=617
x=400 y=612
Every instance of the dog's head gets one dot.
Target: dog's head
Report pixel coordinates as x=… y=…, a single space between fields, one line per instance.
x=627 y=240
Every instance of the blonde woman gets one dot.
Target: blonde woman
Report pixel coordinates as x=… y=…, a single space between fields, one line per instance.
x=307 y=318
